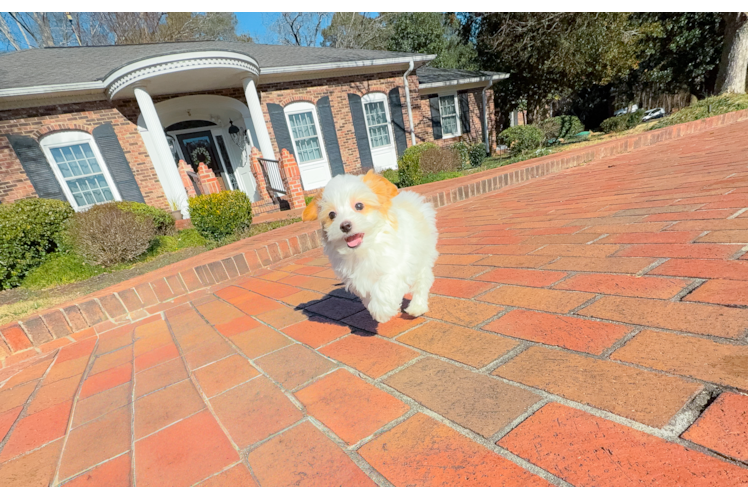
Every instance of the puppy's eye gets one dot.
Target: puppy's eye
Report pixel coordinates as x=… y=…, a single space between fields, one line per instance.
x=332 y=215
x=359 y=206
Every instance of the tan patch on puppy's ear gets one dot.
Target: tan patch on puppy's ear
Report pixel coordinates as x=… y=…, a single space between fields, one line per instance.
x=311 y=212
x=383 y=188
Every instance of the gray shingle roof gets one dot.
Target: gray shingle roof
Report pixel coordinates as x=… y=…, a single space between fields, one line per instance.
x=61 y=65
x=427 y=75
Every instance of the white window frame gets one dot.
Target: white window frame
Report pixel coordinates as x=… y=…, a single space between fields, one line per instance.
x=457 y=114
x=378 y=97
x=72 y=138
x=305 y=107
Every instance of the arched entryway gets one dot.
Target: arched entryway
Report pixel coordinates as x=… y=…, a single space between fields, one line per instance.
x=216 y=130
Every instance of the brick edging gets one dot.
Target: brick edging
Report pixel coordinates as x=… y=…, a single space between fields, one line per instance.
x=112 y=307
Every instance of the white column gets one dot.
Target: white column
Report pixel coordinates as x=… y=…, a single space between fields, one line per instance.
x=163 y=162
x=258 y=119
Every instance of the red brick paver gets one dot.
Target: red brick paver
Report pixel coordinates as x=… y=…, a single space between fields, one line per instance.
x=585 y=328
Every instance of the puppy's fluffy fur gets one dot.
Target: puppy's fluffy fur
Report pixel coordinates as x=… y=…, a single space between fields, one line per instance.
x=381 y=243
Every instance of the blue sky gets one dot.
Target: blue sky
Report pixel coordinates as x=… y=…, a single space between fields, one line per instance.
x=252 y=23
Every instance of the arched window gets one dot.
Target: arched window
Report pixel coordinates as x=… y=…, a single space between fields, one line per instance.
x=79 y=168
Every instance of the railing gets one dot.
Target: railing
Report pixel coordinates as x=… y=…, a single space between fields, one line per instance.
x=195 y=181
x=274 y=180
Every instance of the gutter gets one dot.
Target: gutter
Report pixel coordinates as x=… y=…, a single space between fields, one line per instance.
x=407 y=99
x=485 y=110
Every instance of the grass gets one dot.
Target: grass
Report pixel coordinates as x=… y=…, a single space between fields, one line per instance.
x=719 y=105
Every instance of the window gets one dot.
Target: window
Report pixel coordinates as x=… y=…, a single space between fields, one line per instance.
x=306 y=139
x=376 y=121
x=448 y=110
x=79 y=169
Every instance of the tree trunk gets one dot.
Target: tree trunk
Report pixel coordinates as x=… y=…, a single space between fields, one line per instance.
x=734 y=62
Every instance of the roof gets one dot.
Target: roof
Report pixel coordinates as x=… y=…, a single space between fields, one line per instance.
x=69 y=65
x=429 y=77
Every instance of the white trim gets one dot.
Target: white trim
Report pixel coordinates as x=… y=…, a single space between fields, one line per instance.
x=464 y=81
x=304 y=68
x=72 y=138
x=50 y=89
x=457 y=114
x=163 y=65
x=308 y=107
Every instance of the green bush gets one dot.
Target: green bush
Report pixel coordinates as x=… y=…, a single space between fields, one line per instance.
x=622 y=122
x=189 y=238
x=522 y=138
x=409 y=167
x=391 y=175
x=28 y=233
x=163 y=222
x=477 y=154
x=561 y=127
x=218 y=215
x=105 y=235
x=60 y=269
x=308 y=199
x=463 y=149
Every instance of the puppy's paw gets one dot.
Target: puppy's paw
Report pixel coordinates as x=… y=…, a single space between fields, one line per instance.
x=415 y=309
x=382 y=313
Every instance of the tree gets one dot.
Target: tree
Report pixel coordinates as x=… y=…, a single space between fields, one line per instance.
x=32 y=30
x=681 y=52
x=299 y=28
x=355 y=30
x=432 y=33
x=734 y=62
x=552 y=55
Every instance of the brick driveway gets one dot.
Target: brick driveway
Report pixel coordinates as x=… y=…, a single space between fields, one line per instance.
x=588 y=329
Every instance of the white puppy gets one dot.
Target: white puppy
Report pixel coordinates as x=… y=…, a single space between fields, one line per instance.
x=381 y=243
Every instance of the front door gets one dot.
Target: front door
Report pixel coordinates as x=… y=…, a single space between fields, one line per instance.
x=379 y=129
x=199 y=147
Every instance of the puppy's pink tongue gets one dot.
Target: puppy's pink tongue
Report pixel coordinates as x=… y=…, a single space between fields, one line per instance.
x=355 y=240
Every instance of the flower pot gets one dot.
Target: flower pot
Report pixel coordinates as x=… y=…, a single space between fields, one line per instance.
x=177 y=214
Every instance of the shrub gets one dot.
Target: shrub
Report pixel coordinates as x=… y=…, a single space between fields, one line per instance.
x=60 y=269
x=391 y=175
x=522 y=138
x=308 y=199
x=28 y=233
x=622 y=122
x=477 y=154
x=106 y=235
x=561 y=127
x=190 y=238
x=463 y=149
x=219 y=215
x=163 y=222
x=408 y=166
x=441 y=160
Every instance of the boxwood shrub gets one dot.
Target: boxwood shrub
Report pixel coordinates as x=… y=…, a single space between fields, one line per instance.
x=28 y=233
x=522 y=138
x=218 y=215
x=163 y=222
x=622 y=122
x=463 y=149
x=561 y=127
x=408 y=166
x=477 y=154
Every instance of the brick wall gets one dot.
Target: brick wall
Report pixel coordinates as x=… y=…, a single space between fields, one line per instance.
x=424 y=129
x=41 y=121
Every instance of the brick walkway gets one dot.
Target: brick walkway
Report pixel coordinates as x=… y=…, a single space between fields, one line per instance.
x=587 y=328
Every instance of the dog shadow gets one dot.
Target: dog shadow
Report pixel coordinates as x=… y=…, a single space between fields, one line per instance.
x=343 y=308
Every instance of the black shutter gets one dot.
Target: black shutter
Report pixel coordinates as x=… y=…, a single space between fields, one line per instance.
x=280 y=128
x=116 y=162
x=37 y=168
x=398 y=124
x=359 y=128
x=330 y=136
x=436 y=117
x=464 y=113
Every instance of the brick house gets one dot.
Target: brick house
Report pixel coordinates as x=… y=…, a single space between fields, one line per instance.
x=134 y=122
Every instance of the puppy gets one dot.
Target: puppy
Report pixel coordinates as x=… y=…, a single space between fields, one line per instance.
x=381 y=243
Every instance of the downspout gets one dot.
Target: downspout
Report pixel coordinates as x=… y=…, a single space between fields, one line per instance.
x=485 y=115
x=407 y=100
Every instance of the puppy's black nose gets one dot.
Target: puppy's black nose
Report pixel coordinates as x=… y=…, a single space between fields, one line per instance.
x=345 y=226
